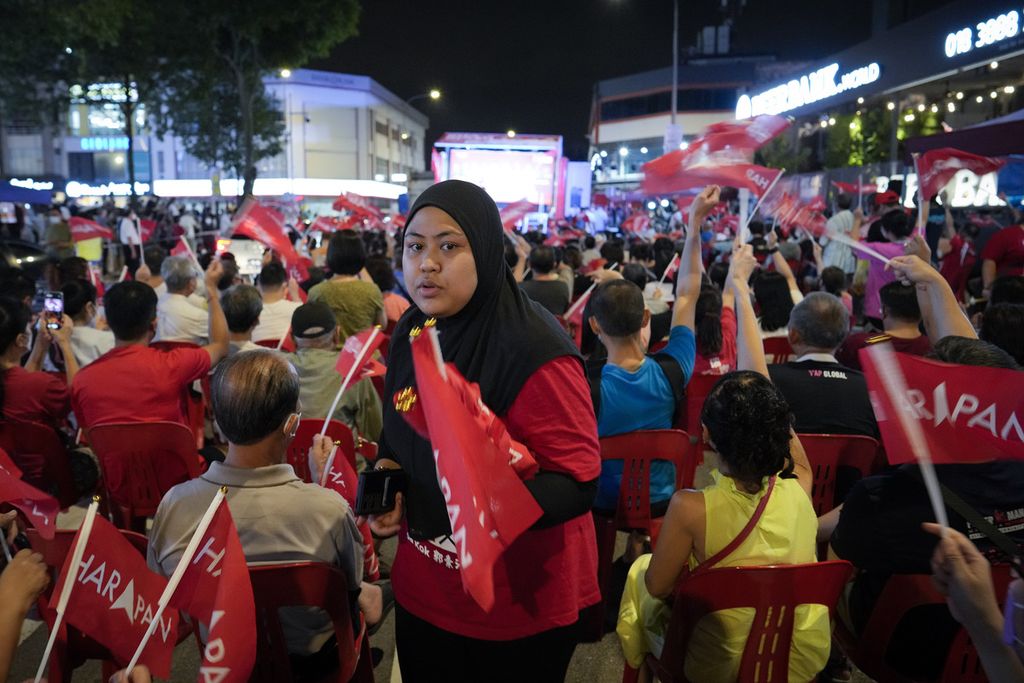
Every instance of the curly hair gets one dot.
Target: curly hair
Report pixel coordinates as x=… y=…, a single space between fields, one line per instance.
x=749 y=423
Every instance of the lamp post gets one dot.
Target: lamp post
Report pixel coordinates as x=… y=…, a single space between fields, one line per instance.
x=674 y=134
x=433 y=94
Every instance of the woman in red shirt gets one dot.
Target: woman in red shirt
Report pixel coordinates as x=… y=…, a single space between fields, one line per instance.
x=531 y=376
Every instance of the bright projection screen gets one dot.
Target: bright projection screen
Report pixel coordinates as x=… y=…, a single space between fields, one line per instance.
x=508 y=176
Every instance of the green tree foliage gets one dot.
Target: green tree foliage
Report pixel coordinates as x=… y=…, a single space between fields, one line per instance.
x=786 y=152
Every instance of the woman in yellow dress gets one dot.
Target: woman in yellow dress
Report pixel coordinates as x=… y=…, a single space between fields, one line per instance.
x=749 y=425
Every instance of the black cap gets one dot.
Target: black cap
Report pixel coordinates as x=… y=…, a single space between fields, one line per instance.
x=313 y=320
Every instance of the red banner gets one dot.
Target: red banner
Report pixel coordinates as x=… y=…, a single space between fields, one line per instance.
x=638 y=222
x=350 y=201
x=85 y=229
x=215 y=590
x=670 y=173
x=488 y=505
x=115 y=598
x=266 y=226
x=515 y=212
x=968 y=413
x=326 y=224
x=748 y=135
x=147 y=228
x=854 y=188
x=39 y=508
x=937 y=167
x=342 y=478
x=357 y=352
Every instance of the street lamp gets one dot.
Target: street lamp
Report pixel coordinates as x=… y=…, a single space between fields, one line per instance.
x=433 y=94
x=286 y=73
x=511 y=133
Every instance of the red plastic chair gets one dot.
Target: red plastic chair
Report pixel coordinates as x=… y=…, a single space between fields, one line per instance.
x=903 y=593
x=37 y=449
x=72 y=648
x=777 y=350
x=834 y=451
x=637 y=450
x=304 y=583
x=688 y=419
x=140 y=461
x=298 y=449
x=193 y=404
x=288 y=345
x=773 y=592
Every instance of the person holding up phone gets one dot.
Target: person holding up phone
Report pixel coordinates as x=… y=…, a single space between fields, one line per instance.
x=41 y=397
x=531 y=376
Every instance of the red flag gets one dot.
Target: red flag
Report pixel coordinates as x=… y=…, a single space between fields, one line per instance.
x=670 y=270
x=215 y=590
x=115 y=597
x=7 y=464
x=147 y=228
x=514 y=212
x=817 y=204
x=574 y=316
x=373 y=368
x=355 y=351
x=85 y=229
x=748 y=135
x=342 y=477
x=40 y=508
x=488 y=505
x=326 y=224
x=853 y=188
x=266 y=226
x=660 y=178
x=968 y=413
x=180 y=249
x=638 y=222
x=350 y=201
x=937 y=167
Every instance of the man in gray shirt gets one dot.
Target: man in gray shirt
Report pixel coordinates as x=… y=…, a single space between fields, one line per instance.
x=279 y=518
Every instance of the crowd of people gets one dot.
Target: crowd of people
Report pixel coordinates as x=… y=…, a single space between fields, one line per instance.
x=778 y=318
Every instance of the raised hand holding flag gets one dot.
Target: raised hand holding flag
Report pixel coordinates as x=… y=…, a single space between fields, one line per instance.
x=936 y=167
x=40 y=508
x=353 y=357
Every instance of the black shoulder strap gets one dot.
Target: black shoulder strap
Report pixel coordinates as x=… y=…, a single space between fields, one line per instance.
x=674 y=373
x=594 y=366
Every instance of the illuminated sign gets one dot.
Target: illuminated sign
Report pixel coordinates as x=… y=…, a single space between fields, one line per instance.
x=103 y=92
x=965 y=189
x=984 y=33
x=77 y=189
x=105 y=143
x=818 y=85
x=30 y=184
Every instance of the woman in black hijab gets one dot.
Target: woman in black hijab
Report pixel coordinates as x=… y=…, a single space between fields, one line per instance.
x=531 y=376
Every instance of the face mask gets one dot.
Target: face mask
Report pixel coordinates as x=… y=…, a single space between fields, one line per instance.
x=54 y=220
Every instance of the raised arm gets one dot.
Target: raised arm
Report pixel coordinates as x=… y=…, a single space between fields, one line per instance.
x=941 y=313
x=749 y=347
x=780 y=263
x=218 y=346
x=690 y=266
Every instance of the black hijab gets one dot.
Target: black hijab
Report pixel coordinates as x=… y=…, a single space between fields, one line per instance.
x=498 y=340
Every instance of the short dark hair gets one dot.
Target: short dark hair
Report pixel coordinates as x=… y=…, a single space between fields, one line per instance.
x=542 y=259
x=612 y=251
x=15 y=282
x=833 y=279
x=573 y=257
x=1002 y=325
x=227 y=279
x=901 y=301
x=273 y=275
x=380 y=270
x=72 y=268
x=749 y=423
x=774 y=302
x=844 y=201
x=346 y=254
x=77 y=293
x=253 y=393
x=618 y=306
x=589 y=242
x=130 y=307
x=1008 y=289
x=717 y=273
x=153 y=255
x=821 y=320
x=242 y=306
x=897 y=223
x=641 y=251
x=635 y=273
x=968 y=351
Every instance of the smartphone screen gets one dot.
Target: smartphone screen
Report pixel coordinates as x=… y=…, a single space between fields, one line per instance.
x=53 y=309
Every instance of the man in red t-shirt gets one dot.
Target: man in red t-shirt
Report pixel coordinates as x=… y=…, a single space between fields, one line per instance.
x=1003 y=255
x=134 y=382
x=901 y=320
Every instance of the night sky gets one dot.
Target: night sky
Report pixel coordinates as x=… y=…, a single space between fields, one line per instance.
x=531 y=65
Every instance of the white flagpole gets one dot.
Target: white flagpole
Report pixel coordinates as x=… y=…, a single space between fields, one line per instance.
x=124 y=274
x=860 y=192
x=855 y=244
x=280 y=342
x=6 y=548
x=583 y=298
x=69 y=582
x=328 y=465
x=348 y=377
x=191 y=254
x=438 y=357
x=896 y=387
x=743 y=229
x=179 y=571
x=664 y=276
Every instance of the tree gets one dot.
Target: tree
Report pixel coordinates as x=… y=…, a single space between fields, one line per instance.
x=214 y=97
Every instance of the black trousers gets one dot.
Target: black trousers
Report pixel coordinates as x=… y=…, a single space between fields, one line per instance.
x=428 y=654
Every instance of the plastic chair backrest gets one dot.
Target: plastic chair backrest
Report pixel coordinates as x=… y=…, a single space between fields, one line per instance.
x=852 y=450
x=688 y=419
x=298 y=449
x=638 y=450
x=777 y=350
x=824 y=462
x=140 y=461
x=288 y=345
x=38 y=451
x=903 y=593
x=773 y=592
x=313 y=584
x=71 y=648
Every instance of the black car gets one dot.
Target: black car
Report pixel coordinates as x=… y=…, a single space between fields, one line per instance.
x=30 y=257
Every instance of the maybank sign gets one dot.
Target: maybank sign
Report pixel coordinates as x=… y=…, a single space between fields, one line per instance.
x=818 y=85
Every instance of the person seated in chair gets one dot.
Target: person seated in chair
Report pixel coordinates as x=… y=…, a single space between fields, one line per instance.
x=747 y=422
x=242 y=309
x=279 y=517
x=180 y=315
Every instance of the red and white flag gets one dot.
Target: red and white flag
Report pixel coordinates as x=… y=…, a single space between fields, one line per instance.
x=113 y=598
x=854 y=188
x=638 y=222
x=85 y=229
x=325 y=224
x=373 y=368
x=215 y=590
x=937 y=167
x=488 y=505
x=350 y=201
x=147 y=228
x=515 y=212
x=968 y=413
x=352 y=360
x=266 y=226
x=747 y=136
x=660 y=177
x=340 y=476
x=671 y=268
x=40 y=508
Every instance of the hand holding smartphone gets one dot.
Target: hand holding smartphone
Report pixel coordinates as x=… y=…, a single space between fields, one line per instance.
x=53 y=310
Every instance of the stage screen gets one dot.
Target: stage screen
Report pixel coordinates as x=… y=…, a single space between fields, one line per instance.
x=507 y=176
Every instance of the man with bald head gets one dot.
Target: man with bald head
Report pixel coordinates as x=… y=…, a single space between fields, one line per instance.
x=279 y=517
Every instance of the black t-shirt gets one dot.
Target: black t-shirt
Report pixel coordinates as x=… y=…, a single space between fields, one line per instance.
x=826 y=398
x=551 y=294
x=879 y=531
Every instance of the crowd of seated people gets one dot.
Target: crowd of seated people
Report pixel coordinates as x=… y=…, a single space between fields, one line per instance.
x=128 y=351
